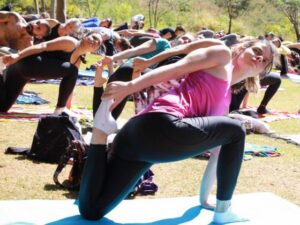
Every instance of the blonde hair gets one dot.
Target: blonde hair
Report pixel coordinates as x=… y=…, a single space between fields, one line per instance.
x=252 y=83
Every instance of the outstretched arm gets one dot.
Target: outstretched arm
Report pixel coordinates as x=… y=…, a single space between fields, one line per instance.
x=200 y=59
x=66 y=44
x=140 y=64
x=144 y=48
x=134 y=33
x=209 y=178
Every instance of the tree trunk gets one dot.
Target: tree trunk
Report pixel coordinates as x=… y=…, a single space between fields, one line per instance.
x=155 y=14
x=229 y=25
x=296 y=28
x=36 y=4
x=43 y=5
x=61 y=11
x=89 y=8
x=53 y=9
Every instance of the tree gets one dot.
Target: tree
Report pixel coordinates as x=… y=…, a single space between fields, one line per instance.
x=61 y=11
x=53 y=9
x=36 y=4
x=93 y=7
x=234 y=8
x=156 y=10
x=43 y=5
x=291 y=9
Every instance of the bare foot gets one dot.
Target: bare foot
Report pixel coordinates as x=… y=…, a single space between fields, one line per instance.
x=208 y=206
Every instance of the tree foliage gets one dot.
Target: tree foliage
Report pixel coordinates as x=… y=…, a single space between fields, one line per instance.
x=255 y=17
x=291 y=9
x=234 y=8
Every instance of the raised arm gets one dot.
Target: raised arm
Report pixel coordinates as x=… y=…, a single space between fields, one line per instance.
x=135 y=33
x=140 y=64
x=144 y=48
x=66 y=44
x=213 y=58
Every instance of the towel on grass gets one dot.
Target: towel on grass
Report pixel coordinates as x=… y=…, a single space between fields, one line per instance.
x=30 y=97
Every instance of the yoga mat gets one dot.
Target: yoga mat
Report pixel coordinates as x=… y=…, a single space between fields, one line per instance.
x=261 y=208
x=86 y=73
x=91 y=73
x=294 y=77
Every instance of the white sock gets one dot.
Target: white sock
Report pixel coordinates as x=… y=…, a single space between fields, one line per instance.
x=228 y=217
x=103 y=119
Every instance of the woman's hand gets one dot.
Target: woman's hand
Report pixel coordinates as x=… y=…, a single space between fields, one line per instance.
x=10 y=59
x=117 y=90
x=140 y=64
x=107 y=60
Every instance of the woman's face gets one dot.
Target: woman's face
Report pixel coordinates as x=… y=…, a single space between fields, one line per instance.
x=256 y=59
x=92 y=42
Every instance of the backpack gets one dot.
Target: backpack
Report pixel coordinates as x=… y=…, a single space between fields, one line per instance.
x=53 y=136
x=58 y=140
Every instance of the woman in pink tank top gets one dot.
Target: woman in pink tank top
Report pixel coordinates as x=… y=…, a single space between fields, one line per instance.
x=181 y=124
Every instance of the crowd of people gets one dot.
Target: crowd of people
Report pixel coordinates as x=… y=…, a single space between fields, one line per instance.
x=184 y=87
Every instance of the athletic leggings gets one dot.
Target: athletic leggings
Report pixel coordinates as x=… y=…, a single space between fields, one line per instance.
x=37 y=67
x=157 y=138
x=273 y=81
x=123 y=73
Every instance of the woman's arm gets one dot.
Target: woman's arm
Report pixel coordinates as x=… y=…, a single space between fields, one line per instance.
x=144 y=48
x=140 y=64
x=209 y=178
x=135 y=33
x=213 y=57
x=66 y=44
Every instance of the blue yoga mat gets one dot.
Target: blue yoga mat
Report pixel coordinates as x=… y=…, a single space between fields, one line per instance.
x=260 y=208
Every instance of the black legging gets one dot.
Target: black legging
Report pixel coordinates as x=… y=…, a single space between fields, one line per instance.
x=273 y=81
x=284 y=65
x=157 y=138
x=123 y=73
x=37 y=67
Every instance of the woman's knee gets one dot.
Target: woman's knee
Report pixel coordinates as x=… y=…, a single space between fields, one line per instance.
x=237 y=129
x=88 y=212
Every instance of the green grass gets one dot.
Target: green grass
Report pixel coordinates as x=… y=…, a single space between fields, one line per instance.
x=21 y=178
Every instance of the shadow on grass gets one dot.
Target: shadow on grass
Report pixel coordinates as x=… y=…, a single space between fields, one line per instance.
x=70 y=194
x=25 y=157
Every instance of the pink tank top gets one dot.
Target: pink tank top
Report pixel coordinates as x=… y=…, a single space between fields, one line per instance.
x=200 y=94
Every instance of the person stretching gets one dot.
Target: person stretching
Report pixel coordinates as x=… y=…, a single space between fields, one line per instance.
x=59 y=58
x=178 y=123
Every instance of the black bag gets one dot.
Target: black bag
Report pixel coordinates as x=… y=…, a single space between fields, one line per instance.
x=58 y=140
x=53 y=137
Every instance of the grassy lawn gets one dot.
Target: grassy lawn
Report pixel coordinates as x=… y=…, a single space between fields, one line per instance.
x=21 y=178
